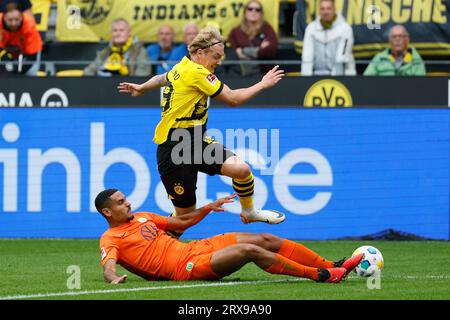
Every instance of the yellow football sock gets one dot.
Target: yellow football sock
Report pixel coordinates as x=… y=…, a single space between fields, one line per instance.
x=245 y=189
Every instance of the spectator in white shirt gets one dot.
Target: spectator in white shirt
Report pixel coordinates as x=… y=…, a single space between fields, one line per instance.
x=327 y=44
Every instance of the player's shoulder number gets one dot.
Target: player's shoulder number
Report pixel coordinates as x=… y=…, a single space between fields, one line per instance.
x=175 y=74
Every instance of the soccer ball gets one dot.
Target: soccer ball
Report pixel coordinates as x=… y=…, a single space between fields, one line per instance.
x=372 y=262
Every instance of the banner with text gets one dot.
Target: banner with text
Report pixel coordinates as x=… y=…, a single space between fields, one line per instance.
x=90 y=21
x=319 y=92
x=41 y=12
x=428 y=23
x=335 y=173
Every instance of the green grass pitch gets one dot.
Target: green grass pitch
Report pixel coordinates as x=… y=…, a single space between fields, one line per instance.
x=37 y=269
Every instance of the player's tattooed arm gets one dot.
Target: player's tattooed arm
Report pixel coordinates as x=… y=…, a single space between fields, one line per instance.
x=110 y=275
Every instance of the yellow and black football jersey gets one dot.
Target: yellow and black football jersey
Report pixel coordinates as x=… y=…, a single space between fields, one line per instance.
x=185 y=98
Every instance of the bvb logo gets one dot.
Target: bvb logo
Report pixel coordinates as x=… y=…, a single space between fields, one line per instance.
x=179 y=190
x=328 y=93
x=93 y=11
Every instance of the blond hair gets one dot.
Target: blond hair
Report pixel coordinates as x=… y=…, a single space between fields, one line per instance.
x=251 y=30
x=206 y=38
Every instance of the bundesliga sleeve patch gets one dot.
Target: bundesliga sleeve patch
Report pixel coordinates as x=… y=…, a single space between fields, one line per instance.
x=103 y=253
x=211 y=78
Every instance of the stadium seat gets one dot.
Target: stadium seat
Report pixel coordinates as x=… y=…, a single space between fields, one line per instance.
x=70 y=73
x=438 y=74
x=59 y=56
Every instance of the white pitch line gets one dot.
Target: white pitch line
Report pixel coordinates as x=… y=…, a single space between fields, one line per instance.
x=215 y=284
x=428 y=277
x=406 y=277
x=79 y=293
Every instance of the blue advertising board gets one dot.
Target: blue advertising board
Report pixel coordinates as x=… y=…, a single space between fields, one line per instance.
x=335 y=173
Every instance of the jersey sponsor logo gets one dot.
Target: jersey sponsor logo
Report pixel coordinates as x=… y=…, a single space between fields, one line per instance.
x=212 y=79
x=328 y=93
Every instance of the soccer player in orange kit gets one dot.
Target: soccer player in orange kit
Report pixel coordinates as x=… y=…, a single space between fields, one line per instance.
x=140 y=244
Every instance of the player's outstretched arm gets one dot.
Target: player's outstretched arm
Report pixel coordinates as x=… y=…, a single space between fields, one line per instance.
x=109 y=273
x=136 y=90
x=187 y=220
x=239 y=96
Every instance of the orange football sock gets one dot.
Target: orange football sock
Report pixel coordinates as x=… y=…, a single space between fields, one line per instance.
x=301 y=254
x=285 y=266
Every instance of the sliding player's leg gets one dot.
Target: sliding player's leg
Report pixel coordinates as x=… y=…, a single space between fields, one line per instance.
x=230 y=259
x=296 y=251
x=287 y=248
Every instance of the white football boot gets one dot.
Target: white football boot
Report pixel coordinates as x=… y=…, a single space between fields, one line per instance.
x=260 y=215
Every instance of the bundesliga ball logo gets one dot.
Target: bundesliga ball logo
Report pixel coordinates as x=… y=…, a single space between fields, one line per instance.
x=372 y=262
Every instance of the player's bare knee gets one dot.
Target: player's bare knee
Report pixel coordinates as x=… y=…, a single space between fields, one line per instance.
x=243 y=171
x=250 y=251
x=270 y=242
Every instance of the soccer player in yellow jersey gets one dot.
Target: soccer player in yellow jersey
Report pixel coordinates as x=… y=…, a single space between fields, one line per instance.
x=183 y=149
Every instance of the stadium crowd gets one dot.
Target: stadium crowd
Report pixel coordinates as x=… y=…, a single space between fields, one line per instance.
x=327 y=46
